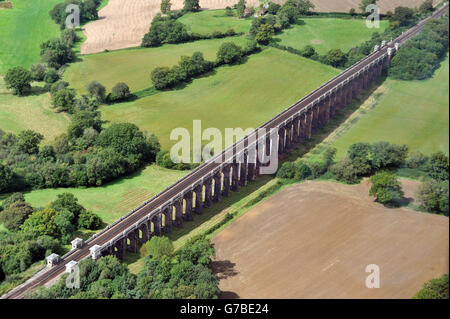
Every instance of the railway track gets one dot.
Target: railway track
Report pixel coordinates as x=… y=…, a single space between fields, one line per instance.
x=47 y=276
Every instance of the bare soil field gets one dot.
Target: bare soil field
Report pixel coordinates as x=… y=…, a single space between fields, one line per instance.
x=122 y=24
x=315 y=239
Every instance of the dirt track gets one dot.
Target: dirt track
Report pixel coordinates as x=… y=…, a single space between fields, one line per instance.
x=315 y=239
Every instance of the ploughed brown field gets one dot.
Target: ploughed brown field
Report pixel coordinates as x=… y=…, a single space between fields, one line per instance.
x=315 y=239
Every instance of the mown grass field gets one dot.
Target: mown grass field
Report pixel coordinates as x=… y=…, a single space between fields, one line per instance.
x=115 y=199
x=244 y=96
x=22 y=30
x=205 y=22
x=415 y=113
x=133 y=66
x=325 y=34
x=30 y=112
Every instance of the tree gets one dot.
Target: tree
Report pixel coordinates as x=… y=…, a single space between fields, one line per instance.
x=41 y=223
x=80 y=121
x=89 y=220
x=433 y=196
x=437 y=166
x=303 y=6
x=165 y=6
x=273 y=8
x=352 y=12
x=14 y=215
x=158 y=247
x=308 y=51
x=191 y=5
x=56 y=52
x=264 y=36
x=161 y=77
x=287 y=170
x=51 y=76
x=434 y=289
x=228 y=11
x=385 y=155
x=426 y=6
x=403 y=15
x=336 y=58
x=229 y=53
x=28 y=141
x=14 y=197
x=38 y=71
x=67 y=201
x=302 y=171
x=18 y=79
x=365 y=3
x=63 y=100
x=240 y=8
x=120 y=91
x=6 y=177
x=386 y=188
x=97 y=90
x=65 y=222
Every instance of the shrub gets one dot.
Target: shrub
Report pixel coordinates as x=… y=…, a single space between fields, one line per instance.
x=437 y=166
x=386 y=188
x=191 y=5
x=14 y=216
x=163 y=159
x=14 y=197
x=97 y=90
x=229 y=53
x=345 y=171
x=273 y=8
x=38 y=71
x=302 y=171
x=51 y=76
x=28 y=141
x=18 y=79
x=63 y=100
x=433 y=196
x=158 y=247
x=228 y=11
x=434 y=289
x=287 y=170
x=89 y=220
x=6 y=177
x=120 y=92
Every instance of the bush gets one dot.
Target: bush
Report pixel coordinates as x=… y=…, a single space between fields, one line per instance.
x=18 y=79
x=437 y=166
x=51 y=76
x=345 y=171
x=6 y=177
x=120 y=92
x=89 y=220
x=386 y=188
x=64 y=100
x=287 y=170
x=433 y=196
x=15 y=214
x=38 y=72
x=14 y=197
x=228 y=11
x=157 y=247
x=302 y=171
x=229 y=53
x=96 y=90
x=434 y=289
x=191 y=5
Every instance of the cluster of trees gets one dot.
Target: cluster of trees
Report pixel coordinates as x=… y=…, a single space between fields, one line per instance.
x=418 y=58
x=167 y=274
x=163 y=159
x=87 y=155
x=88 y=11
x=35 y=233
x=190 y=67
x=278 y=17
x=65 y=99
x=166 y=29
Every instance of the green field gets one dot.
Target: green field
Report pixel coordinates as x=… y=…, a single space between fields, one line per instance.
x=22 y=30
x=30 y=112
x=133 y=66
x=325 y=34
x=243 y=96
x=415 y=113
x=205 y=22
x=114 y=199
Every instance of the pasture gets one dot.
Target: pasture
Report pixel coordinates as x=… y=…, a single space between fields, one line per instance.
x=329 y=233
x=244 y=96
x=114 y=199
x=133 y=66
x=23 y=29
x=30 y=112
x=324 y=34
x=415 y=113
x=207 y=21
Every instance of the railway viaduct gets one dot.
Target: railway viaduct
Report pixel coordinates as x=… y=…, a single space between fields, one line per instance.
x=230 y=170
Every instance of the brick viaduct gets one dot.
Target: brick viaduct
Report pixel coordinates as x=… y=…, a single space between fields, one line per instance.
x=212 y=180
